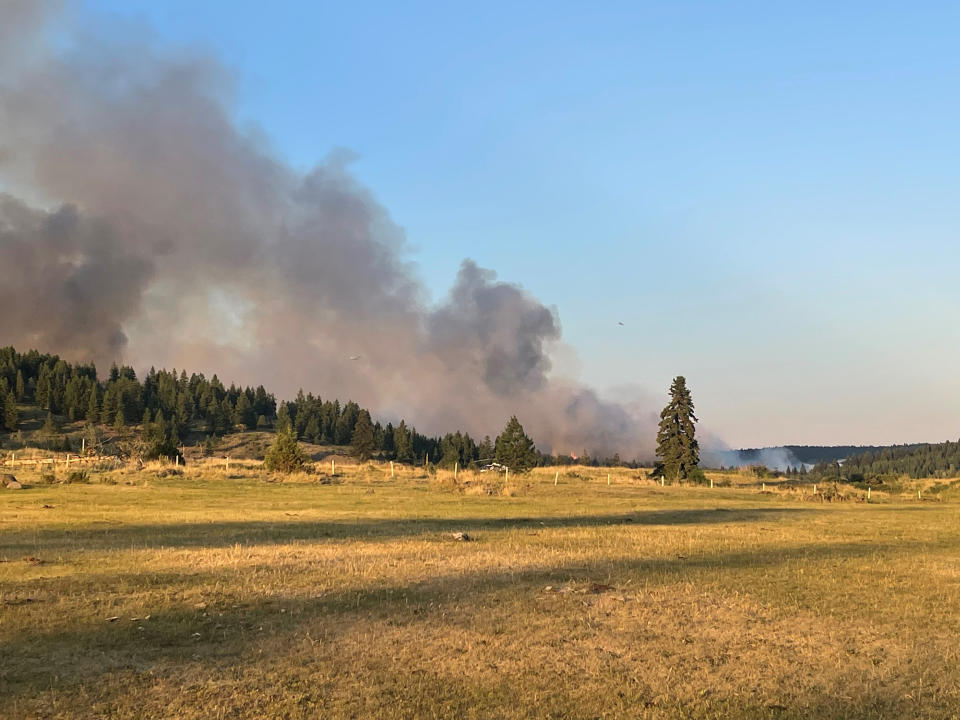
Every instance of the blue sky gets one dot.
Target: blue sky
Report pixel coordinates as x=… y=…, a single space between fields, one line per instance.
x=766 y=196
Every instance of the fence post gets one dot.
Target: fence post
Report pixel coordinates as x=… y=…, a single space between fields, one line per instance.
x=333 y=467
x=455 y=466
x=555 y=478
x=391 y=468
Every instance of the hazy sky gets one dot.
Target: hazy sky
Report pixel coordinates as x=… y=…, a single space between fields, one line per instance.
x=767 y=198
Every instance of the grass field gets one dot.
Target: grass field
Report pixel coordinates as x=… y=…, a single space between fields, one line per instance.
x=223 y=595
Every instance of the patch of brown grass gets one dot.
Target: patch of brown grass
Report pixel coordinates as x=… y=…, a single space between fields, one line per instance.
x=221 y=594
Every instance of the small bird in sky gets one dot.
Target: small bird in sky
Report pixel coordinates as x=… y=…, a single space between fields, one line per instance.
x=619 y=323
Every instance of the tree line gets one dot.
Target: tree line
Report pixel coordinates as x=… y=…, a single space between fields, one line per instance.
x=168 y=407
x=927 y=460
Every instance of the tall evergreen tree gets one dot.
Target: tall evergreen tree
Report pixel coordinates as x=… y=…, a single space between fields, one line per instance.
x=403 y=443
x=312 y=431
x=243 y=415
x=363 y=440
x=42 y=393
x=20 y=389
x=283 y=418
x=184 y=411
x=93 y=405
x=485 y=450
x=386 y=445
x=11 y=416
x=514 y=449
x=677 y=445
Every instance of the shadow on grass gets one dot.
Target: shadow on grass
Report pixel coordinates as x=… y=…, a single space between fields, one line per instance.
x=229 y=627
x=265 y=532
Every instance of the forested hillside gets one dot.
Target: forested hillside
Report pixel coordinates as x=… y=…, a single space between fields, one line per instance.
x=167 y=408
x=936 y=460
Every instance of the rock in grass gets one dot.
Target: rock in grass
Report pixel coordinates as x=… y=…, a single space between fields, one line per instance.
x=10 y=482
x=462 y=537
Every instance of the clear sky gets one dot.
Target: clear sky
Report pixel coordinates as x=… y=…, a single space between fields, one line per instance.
x=766 y=197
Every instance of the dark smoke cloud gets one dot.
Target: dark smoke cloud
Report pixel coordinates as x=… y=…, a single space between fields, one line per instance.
x=66 y=281
x=495 y=330
x=160 y=233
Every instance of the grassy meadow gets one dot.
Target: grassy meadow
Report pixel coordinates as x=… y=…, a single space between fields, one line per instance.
x=229 y=593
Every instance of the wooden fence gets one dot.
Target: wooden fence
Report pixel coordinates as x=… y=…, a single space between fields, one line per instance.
x=66 y=461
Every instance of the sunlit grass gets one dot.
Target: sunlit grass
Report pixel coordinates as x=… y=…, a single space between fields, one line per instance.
x=230 y=593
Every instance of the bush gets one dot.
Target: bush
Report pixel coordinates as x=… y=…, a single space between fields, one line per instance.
x=75 y=477
x=698 y=477
x=285 y=454
x=210 y=445
x=163 y=449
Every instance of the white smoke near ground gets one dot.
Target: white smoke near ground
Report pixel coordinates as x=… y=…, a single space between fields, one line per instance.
x=716 y=455
x=140 y=224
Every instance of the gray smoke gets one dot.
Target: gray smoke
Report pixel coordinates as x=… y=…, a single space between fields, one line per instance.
x=774 y=458
x=140 y=223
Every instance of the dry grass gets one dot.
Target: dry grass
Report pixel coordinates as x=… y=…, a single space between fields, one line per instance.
x=226 y=593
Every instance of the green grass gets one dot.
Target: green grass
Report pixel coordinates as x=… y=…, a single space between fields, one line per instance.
x=238 y=597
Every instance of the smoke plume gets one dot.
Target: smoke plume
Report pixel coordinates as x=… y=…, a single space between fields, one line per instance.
x=139 y=223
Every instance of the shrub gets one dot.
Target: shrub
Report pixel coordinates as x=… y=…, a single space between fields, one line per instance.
x=697 y=477
x=75 y=477
x=285 y=454
x=163 y=449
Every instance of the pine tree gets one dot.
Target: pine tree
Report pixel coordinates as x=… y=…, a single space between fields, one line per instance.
x=312 y=431
x=20 y=387
x=386 y=446
x=72 y=398
x=403 y=443
x=285 y=454
x=119 y=421
x=11 y=416
x=283 y=418
x=485 y=450
x=184 y=410
x=514 y=449
x=363 y=440
x=93 y=405
x=346 y=423
x=243 y=415
x=42 y=393
x=677 y=445
x=49 y=429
